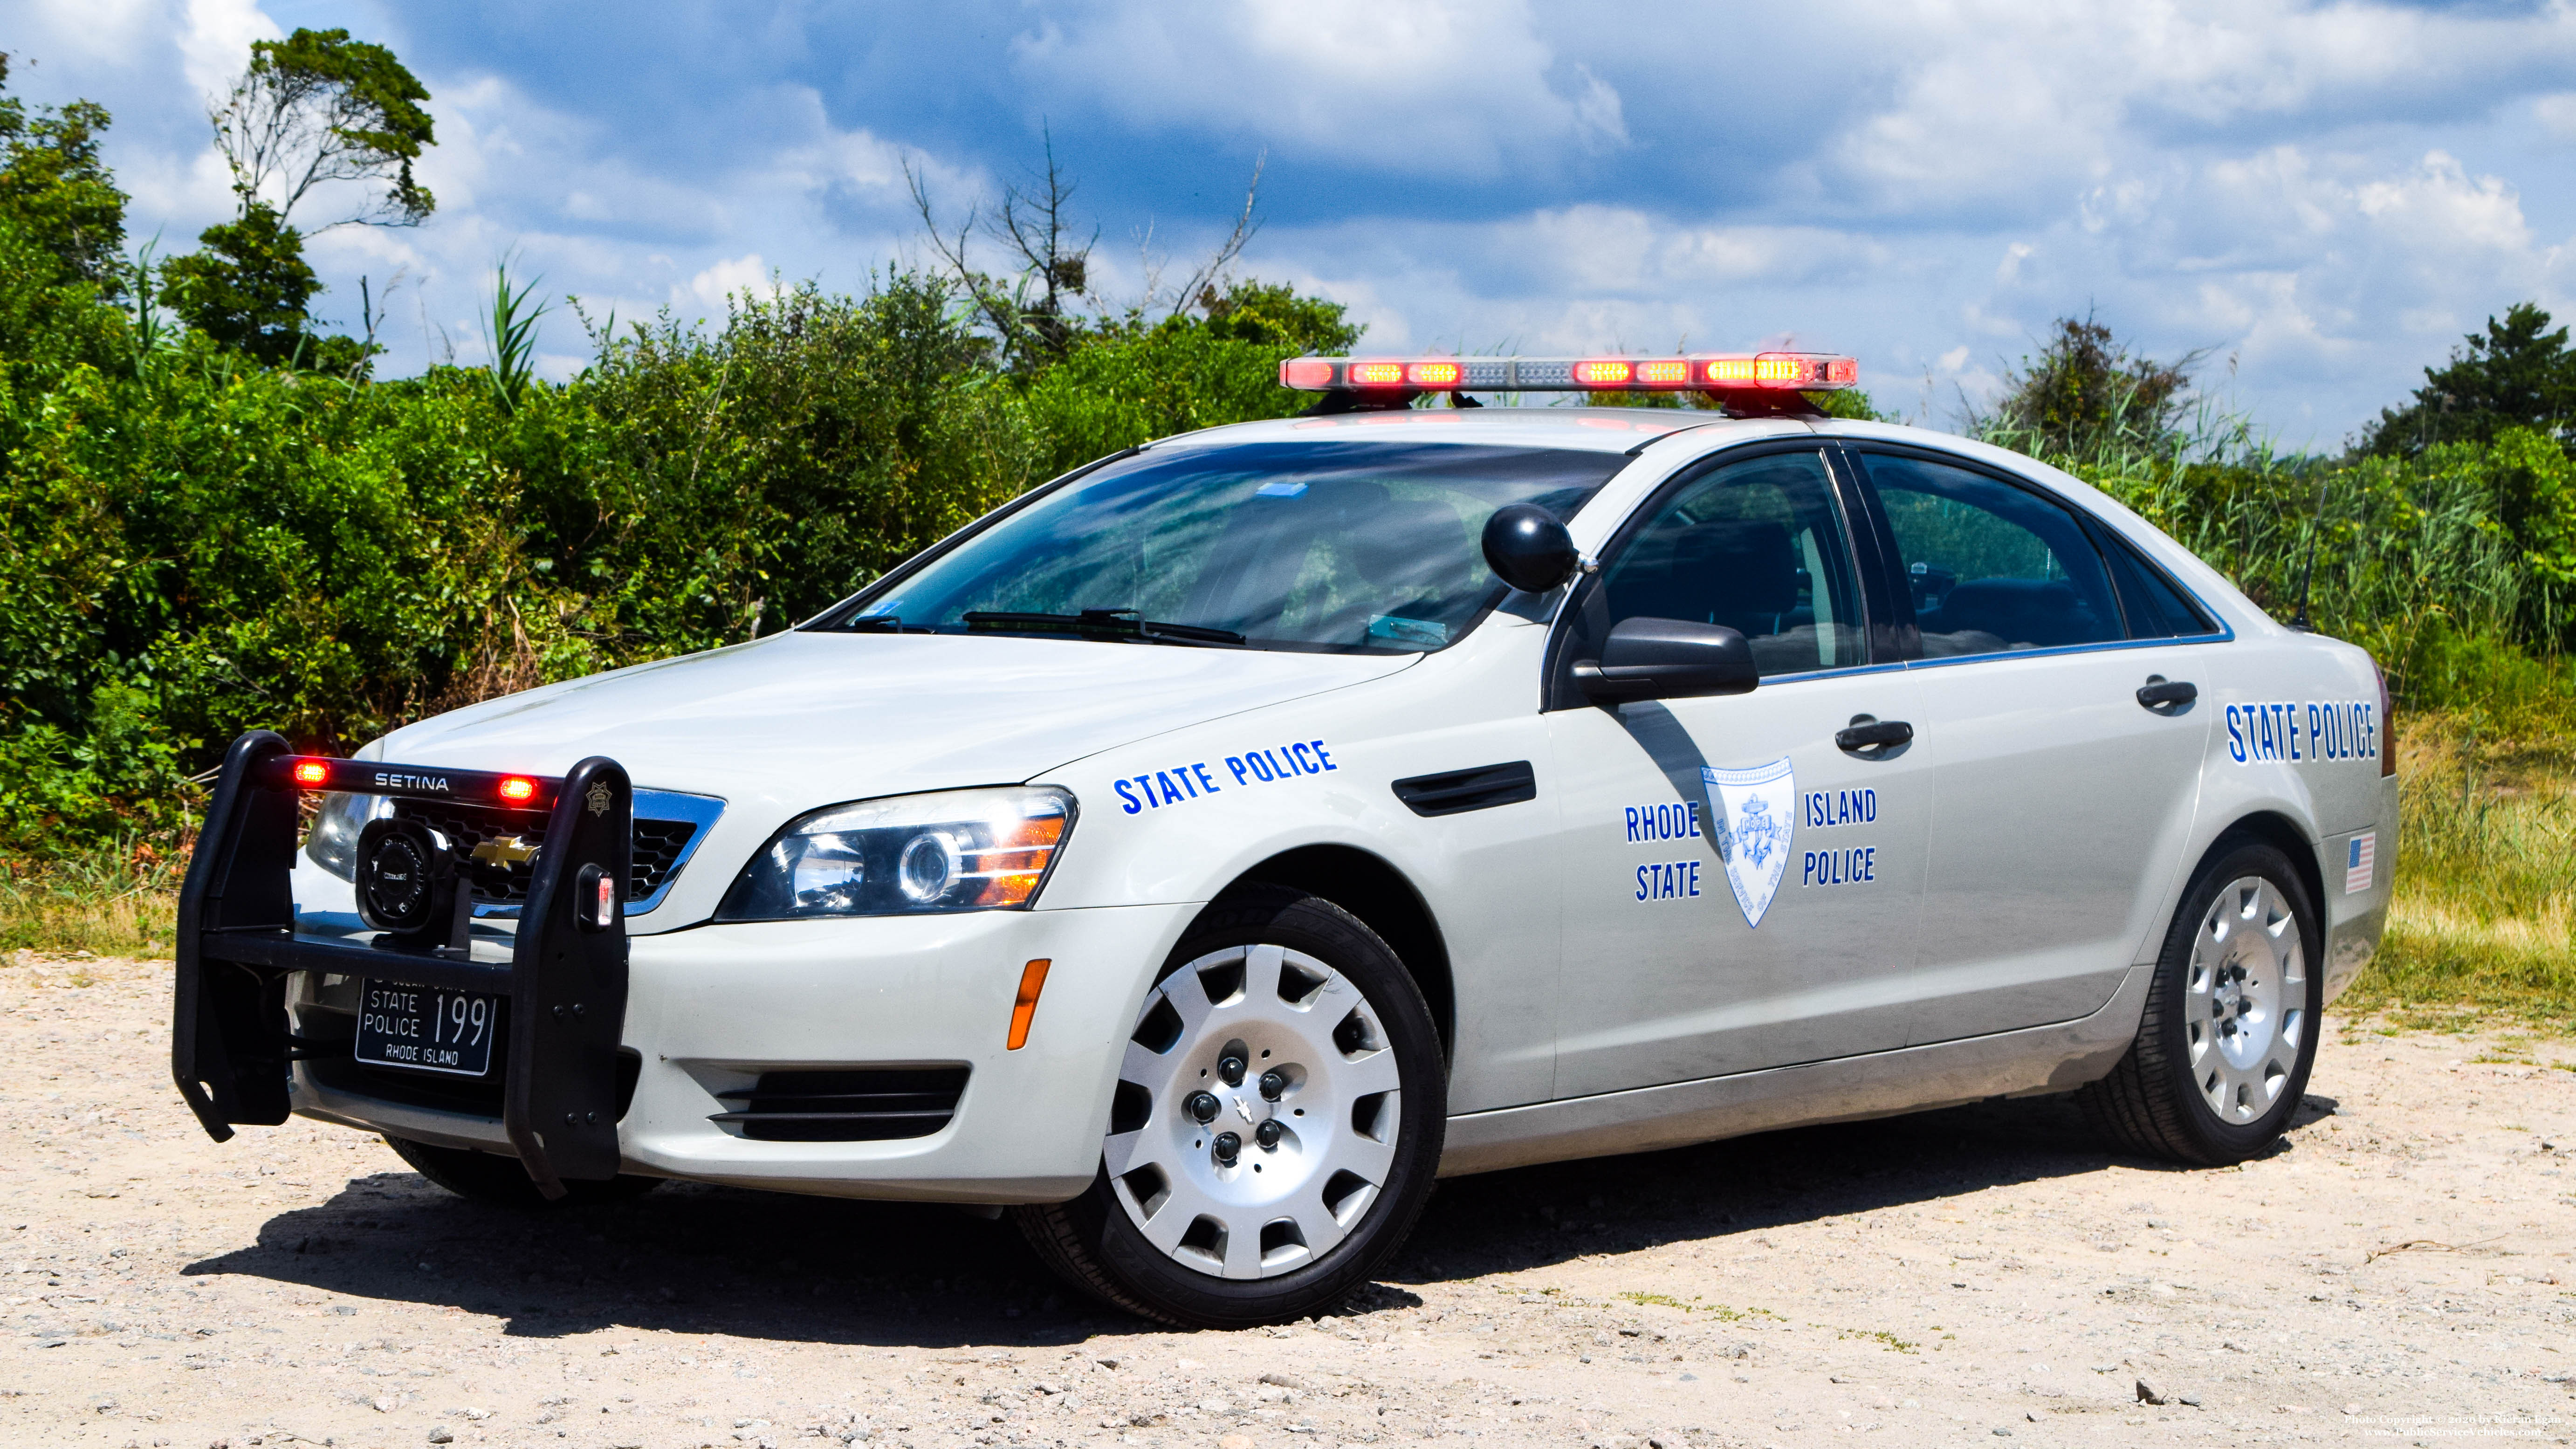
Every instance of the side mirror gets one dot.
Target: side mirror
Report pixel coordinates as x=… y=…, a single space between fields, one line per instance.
x=1528 y=549
x=1667 y=659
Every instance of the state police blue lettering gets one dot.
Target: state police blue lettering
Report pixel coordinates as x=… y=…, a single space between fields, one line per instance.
x=1675 y=880
x=1272 y=764
x=1177 y=785
x=1828 y=808
x=1676 y=820
x=1855 y=865
x=1180 y=784
x=2302 y=732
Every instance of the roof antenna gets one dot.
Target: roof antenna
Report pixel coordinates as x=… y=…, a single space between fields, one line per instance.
x=2308 y=570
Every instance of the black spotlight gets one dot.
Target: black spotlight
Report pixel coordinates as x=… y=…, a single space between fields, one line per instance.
x=408 y=886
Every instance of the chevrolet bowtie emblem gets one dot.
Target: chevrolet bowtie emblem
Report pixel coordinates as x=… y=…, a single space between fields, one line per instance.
x=505 y=850
x=599 y=797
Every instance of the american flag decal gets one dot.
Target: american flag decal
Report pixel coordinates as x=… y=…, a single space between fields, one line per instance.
x=2357 y=862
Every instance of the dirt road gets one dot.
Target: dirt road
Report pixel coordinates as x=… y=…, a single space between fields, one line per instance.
x=2402 y=1273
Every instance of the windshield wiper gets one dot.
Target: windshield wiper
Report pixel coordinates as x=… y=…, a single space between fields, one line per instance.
x=1120 y=623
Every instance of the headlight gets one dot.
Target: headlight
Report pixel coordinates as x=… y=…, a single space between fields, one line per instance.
x=333 y=840
x=957 y=850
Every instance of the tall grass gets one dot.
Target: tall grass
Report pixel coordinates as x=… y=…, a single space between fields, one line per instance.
x=2413 y=559
x=2484 y=915
x=117 y=898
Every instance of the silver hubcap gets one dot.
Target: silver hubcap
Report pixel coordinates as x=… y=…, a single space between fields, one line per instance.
x=1257 y=1113
x=2246 y=1006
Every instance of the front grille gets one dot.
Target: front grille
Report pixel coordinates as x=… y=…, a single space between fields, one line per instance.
x=660 y=846
x=863 y=1104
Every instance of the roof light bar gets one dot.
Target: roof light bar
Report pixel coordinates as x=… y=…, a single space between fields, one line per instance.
x=1800 y=371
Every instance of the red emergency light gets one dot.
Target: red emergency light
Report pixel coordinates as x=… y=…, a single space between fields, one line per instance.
x=1692 y=372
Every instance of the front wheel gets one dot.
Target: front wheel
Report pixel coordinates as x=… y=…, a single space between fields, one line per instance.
x=2223 y=1050
x=1276 y=1127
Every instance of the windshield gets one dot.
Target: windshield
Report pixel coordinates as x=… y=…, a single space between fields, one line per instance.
x=1330 y=546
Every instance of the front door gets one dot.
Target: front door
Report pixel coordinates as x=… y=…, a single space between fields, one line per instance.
x=1739 y=890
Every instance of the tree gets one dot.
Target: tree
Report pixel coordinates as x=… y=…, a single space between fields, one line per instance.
x=1273 y=314
x=249 y=288
x=316 y=108
x=54 y=186
x=1033 y=312
x=2519 y=375
x=2087 y=389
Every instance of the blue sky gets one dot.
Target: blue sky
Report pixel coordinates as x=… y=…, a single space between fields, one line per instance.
x=2324 y=197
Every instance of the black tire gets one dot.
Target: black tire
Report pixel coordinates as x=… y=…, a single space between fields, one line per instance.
x=1092 y=1242
x=488 y=1177
x=2156 y=1102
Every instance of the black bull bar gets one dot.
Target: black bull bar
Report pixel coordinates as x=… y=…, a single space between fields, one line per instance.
x=230 y=1046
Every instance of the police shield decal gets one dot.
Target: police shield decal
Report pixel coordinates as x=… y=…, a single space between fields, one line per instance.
x=1755 y=821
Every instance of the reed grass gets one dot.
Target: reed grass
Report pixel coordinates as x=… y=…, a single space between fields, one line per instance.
x=118 y=899
x=2483 y=920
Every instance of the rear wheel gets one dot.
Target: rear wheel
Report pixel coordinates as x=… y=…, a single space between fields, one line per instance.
x=1276 y=1127
x=2229 y=1034
x=491 y=1178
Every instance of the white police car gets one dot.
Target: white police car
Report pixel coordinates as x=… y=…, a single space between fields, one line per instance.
x=1204 y=852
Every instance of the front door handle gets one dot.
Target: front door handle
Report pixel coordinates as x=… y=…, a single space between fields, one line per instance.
x=2160 y=693
x=1867 y=735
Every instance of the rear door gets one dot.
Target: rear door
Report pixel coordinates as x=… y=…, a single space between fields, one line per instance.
x=2066 y=802
x=1739 y=891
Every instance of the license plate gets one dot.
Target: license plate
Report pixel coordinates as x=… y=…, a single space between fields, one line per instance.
x=426 y=1028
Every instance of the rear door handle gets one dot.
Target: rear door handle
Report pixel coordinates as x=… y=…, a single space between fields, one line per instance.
x=1876 y=734
x=2160 y=693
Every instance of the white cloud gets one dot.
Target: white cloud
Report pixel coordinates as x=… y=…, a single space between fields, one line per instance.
x=216 y=43
x=741 y=274
x=2557 y=114
x=2329 y=192
x=1449 y=86
x=2002 y=100
x=88 y=29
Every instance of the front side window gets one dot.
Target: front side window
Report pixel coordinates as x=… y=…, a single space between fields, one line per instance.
x=1352 y=547
x=1990 y=568
x=1757 y=546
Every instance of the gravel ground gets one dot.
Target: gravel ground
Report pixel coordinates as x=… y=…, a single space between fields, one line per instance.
x=2401 y=1272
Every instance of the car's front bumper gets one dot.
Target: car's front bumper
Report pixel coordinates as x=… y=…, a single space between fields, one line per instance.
x=712 y=1008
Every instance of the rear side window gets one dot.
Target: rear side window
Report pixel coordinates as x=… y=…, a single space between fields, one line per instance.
x=2155 y=607
x=1991 y=568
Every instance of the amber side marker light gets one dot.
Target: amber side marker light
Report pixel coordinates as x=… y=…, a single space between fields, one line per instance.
x=1032 y=981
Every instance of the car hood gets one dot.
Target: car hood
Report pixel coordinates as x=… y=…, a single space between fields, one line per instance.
x=801 y=720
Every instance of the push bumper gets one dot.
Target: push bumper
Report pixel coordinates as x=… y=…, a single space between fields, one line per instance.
x=714 y=1009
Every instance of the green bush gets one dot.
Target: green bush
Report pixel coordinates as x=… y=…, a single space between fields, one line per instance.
x=192 y=544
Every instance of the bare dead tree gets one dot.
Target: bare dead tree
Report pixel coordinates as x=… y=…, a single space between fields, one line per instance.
x=1039 y=308
x=1033 y=310
x=1200 y=289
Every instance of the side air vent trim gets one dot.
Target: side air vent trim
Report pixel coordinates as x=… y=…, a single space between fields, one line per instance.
x=1457 y=791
